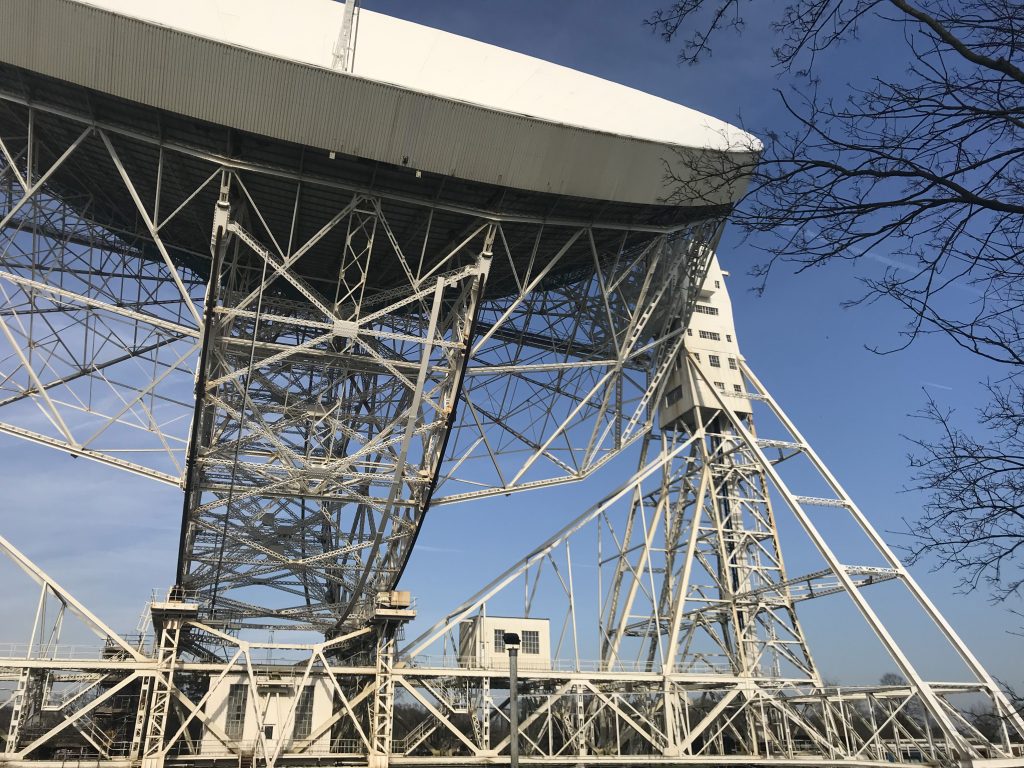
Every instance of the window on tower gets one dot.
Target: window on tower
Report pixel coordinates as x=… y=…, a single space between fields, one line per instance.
x=714 y=361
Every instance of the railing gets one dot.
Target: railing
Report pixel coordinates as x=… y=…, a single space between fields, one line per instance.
x=566 y=665
x=89 y=728
x=344 y=747
x=414 y=737
x=64 y=696
x=30 y=651
x=254 y=747
x=83 y=757
x=11 y=654
x=175 y=595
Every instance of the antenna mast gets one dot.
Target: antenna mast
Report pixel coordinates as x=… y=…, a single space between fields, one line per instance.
x=345 y=48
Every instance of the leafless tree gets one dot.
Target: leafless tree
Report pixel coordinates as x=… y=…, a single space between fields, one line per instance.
x=924 y=172
x=975 y=519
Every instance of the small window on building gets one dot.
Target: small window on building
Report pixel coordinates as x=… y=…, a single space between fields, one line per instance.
x=718 y=283
x=531 y=641
x=689 y=331
x=696 y=356
x=235 y=723
x=737 y=389
x=728 y=337
x=704 y=309
x=499 y=641
x=304 y=714
x=720 y=385
x=714 y=361
x=268 y=732
x=712 y=335
x=732 y=363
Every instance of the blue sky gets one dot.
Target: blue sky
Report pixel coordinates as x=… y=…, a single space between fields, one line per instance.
x=852 y=404
x=112 y=538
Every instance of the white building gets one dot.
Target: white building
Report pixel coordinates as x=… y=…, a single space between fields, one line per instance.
x=288 y=710
x=481 y=644
x=711 y=341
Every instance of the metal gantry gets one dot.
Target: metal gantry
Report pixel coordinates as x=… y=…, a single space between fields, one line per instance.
x=332 y=333
x=698 y=656
x=317 y=359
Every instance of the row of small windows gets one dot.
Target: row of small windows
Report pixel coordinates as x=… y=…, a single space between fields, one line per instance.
x=529 y=638
x=712 y=335
x=704 y=309
x=716 y=362
x=675 y=394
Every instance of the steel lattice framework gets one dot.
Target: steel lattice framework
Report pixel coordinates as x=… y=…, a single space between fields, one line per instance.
x=317 y=350
x=332 y=345
x=702 y=659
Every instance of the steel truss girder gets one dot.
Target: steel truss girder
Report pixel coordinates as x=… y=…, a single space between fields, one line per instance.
x=326 y=425
x=697 y=590
x=671 y=711
x=567 y=360
x=320 y=421
x=709 y=529
x=611 y=718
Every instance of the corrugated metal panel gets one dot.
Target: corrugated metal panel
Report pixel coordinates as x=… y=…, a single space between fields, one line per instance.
x=285 y=100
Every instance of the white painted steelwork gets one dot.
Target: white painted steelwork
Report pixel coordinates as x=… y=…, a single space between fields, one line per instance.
x=659 y=695
x=418 y=97
x=367 y=338
x=712 y=342
x=307 y=298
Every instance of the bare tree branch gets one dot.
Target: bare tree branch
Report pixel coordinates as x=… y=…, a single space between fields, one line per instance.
x=924 y=174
